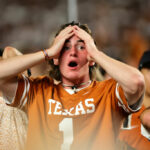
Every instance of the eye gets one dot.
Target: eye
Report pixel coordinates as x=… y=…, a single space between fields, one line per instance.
x=66 y=48
x=80 y=47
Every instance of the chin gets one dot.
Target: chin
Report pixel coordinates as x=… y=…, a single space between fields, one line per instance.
x=72 y=76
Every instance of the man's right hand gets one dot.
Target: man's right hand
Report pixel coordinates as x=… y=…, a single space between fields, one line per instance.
x=58 y=43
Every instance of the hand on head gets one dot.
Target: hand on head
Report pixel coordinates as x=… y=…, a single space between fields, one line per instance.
x=59 y=41
x=67 y=33
x=12 y=52
x=88 y=40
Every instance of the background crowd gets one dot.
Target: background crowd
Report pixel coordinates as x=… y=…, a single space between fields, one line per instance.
x=121 y=28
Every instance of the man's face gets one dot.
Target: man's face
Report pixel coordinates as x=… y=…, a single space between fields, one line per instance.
x=146 y=73
x=73 y=63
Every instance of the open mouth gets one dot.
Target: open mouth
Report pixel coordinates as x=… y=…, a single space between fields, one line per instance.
x=72 y=64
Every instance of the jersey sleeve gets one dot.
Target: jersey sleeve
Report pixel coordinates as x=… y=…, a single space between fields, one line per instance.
x=27 y=89
x=22 y=92
x=122 y=101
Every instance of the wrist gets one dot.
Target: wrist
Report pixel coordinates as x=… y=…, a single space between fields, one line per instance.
x=45 y=52
x=94 y=52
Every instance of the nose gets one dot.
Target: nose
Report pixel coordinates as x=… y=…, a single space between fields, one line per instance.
x=73 y=51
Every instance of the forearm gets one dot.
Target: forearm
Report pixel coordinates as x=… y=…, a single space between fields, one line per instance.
x=128 y=77
x=12 y=66
x=121 y=72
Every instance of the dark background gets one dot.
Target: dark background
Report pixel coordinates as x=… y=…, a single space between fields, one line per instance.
x=121 y=28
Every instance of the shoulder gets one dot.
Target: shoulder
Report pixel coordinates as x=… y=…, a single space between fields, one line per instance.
x=38 y=79
x=109 y=81
x=41 y=78
x=33 y=83
x=106 y=83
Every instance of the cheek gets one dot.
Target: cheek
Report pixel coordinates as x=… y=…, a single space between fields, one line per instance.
x=83 y=55
x=63 y=57
x=62 y=63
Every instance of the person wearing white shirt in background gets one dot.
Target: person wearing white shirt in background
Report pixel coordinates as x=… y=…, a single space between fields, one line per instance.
x=13 y=121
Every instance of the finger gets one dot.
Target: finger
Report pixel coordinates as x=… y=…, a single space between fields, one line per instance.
x=83 y=35
x=69 y=35
x=66 y=30
x=63 y=35
x=76 y=27
x=64 y=38
x=79 y=34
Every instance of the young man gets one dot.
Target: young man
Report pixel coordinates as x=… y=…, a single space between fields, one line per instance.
x=78 y=113
x=13 y=121
x=135 y=129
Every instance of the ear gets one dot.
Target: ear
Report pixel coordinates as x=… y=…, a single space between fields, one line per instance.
x=56 y=62
x=91 y=63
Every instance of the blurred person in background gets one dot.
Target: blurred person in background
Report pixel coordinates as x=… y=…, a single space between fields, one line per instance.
x=13 y=121
x=134 y=43
x=145 y=119
x=133 y=131
x=79 y=112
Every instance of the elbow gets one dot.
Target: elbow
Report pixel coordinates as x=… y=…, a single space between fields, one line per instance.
x=135 y=88
x=138 y=84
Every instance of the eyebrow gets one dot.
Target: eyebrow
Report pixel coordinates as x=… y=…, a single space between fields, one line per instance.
x=80 y=41
x=68 y=41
